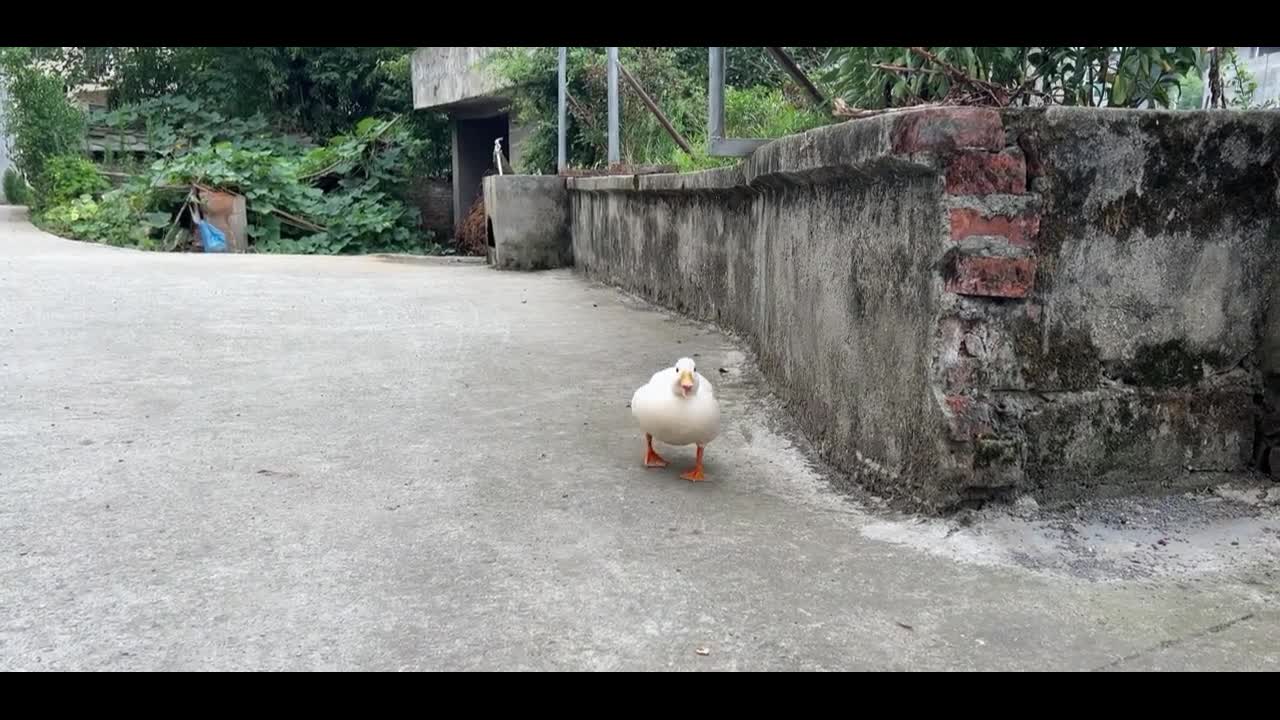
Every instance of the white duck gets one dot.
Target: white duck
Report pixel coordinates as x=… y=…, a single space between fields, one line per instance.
x=678 y=407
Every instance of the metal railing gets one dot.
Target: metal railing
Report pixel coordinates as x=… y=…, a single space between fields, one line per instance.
x=717 y=144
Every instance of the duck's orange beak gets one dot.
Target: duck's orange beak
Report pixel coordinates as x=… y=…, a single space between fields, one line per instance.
x=686 y=382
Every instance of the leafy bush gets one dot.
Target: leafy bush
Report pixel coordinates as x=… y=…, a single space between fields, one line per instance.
x=877 y=77
x=114 y=220
x=174 y=124
x=288 y=209
x=758 y=112
x=675 y=77
x=1191 y=91
x=432 y=149
x=1241 y=87
x=40 y=121
x=316 y=91
x=748 y=67
x=342 y=197
x=762 y=112
x=15 y=188
x=243 y=125
x=67 y=177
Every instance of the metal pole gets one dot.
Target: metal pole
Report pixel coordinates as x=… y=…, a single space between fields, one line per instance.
x=614 y=155
x=653 y=108
x=783 y=59
x=562 y=154
x=715 y=95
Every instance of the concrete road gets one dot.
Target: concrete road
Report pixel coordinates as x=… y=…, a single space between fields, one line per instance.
x=261 y=462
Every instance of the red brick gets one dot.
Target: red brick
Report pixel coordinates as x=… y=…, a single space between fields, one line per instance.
x=991 y=276
x=1020 y=230
x=966 y=418
x=977 y=172
x=946 y=129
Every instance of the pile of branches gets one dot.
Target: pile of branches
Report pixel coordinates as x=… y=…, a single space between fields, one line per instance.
x=473 y=235
x=964 y=90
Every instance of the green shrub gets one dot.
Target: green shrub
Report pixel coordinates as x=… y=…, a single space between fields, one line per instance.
x=676 y=79
x=67 y=177
x=238 y=129
x=757 y=112
x=111 y=220
x=361 y=212
x=40 y=120
x=878 y=77
x=15 y=188
x=764 y=112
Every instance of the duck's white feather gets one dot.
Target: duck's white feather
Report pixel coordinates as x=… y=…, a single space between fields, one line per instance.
x=676 y=420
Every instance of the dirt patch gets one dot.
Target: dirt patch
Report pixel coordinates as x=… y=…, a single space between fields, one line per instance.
x=1233 y=530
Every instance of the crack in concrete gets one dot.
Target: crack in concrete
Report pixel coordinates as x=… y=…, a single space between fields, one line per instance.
x=1166 y=644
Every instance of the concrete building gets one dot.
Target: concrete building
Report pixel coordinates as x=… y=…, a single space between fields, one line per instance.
x=454 y=80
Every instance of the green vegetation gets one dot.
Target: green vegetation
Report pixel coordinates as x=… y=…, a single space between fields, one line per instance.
x=760 y=102
x=324 y=145
x=244 y=123
x=878 y=77
x=15 y=188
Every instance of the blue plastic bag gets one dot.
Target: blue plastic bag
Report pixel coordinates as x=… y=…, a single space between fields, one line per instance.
x=212 y=238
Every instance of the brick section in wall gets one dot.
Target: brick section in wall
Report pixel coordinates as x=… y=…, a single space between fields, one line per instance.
x=980 y=172
x=999 y=267
x=1019 y=230
x=990 y=242
x=967 y=418
x=996 y=277
x=947 y=129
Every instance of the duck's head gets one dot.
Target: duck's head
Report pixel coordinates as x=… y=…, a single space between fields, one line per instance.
x=686 y=378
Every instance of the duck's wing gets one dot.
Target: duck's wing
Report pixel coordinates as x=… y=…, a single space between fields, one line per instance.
x=667 y=376
x=660 y=378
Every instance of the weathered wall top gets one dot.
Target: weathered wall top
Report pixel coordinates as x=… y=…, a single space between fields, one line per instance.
x=453 y=78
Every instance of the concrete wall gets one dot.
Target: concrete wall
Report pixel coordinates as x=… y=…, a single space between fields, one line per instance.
x=1158 y=252
x=961 y=305
x=433 y=197
x=453 y=78
x=528 y=222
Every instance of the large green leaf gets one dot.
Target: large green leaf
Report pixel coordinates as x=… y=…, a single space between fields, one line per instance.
x=1120 y=89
